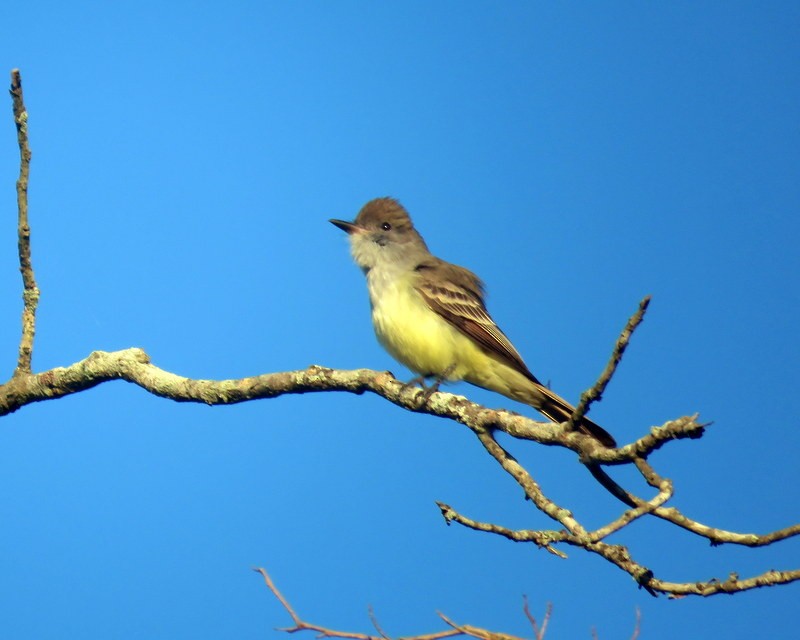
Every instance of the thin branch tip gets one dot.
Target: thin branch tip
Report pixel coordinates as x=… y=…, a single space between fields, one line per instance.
x=596 y=391
x=30 y=293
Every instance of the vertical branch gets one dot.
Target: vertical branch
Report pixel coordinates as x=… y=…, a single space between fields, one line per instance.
x=596 y=392
x=30 y=292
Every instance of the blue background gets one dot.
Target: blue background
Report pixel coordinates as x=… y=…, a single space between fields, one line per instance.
x=577 y=156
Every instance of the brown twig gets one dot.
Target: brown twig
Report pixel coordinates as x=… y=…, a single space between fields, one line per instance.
x=595 y=393
x=637 y=628
x=299 y=623
x=374 y=620
x=538 y=633
x=325 y=632
x=478 y=632
x=456 y=629
x=30 y=293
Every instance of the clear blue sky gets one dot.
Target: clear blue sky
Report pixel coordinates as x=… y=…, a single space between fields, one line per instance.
x=187 y=157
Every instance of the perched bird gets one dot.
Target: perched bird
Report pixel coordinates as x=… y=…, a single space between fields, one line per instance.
x=430 y=314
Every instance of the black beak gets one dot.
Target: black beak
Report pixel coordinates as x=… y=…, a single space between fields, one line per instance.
x=349 y=227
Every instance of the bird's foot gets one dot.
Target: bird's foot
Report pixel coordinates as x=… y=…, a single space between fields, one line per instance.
x=418 y=381
x=428 y=390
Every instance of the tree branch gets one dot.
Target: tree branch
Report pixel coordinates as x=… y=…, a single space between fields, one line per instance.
x=538 y=632
x=30 y=292
x=325 y=632
x=133 y=365
x=595 y=393
x=455 y=630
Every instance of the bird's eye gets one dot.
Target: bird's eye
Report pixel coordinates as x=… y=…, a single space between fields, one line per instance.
x=386 y=226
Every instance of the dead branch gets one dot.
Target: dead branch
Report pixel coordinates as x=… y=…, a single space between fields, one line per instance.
x=538 y=632
x=133 y=365
x=30 y=292
x=455 y=630
x=325 y=632
x=595 y=393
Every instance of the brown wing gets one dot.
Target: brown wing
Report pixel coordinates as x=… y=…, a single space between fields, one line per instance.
x=456 y=294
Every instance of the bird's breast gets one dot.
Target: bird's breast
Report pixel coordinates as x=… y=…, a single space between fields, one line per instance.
x=410 y=331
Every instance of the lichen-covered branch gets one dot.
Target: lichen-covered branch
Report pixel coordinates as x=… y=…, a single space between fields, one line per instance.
x=133 y=365
x=595 y=393
x=30 y=292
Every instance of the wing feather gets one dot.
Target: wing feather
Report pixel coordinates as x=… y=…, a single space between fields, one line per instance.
x=456 y=294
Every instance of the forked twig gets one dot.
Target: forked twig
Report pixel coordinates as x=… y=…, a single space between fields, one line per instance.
x=455 y=630
x=538 y=632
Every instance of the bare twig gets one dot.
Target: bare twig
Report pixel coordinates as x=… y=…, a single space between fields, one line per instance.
x=325 y=632
x=538 y=632
x=638 y=626
x=299 y=623
x=478 y=632
x=456 y=629
x=620 y=556
x=30 y=293
x=374 y=620
x=528 y=484
x=637 y=512
x=544 y=539
x=595 y=393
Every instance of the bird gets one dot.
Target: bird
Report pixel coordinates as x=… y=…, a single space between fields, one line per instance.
x=431 y=315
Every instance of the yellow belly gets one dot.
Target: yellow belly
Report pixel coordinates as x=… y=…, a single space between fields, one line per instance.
x=426 y=343
x=416 y=336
